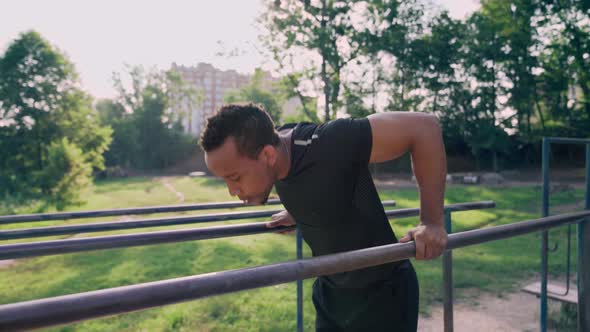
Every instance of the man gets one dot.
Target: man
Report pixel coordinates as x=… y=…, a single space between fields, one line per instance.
x=321 y=174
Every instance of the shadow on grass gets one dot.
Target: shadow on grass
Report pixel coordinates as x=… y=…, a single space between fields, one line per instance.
x=94 y=270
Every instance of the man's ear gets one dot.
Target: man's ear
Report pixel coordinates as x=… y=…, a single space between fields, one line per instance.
x=268 y=155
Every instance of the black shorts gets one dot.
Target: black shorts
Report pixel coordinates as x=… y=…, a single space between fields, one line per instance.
x=390 y=306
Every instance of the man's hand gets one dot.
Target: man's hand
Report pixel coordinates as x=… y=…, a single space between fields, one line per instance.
x=430 y=240
x=282 y=218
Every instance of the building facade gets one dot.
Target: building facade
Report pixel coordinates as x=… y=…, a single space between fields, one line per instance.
x=213 y=84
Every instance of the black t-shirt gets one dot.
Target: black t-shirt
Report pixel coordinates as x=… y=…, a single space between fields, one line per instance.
x=330 y=194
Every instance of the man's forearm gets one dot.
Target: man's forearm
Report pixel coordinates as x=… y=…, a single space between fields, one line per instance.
x=430 y=168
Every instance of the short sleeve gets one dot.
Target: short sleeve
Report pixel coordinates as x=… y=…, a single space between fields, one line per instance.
x=347 y=140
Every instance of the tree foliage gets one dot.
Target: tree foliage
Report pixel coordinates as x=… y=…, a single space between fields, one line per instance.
x=256 y=92
x=41 y=105
x=500 y=79
x=316 y=30
x=147 y=127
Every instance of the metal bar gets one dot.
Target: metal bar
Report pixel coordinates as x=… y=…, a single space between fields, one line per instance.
x=125 y=211
x=568 y=140
x=299 y=284
x=584 y=259
x=448 y=280
x=75 y=307
x=119 y=225
x=544 y=237
x=21 y=250
x=478 y=236
x=568 y=262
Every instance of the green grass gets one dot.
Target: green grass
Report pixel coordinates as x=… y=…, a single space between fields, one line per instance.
x=496 y=267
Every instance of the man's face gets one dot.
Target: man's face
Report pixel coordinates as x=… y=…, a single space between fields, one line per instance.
x=249 y=179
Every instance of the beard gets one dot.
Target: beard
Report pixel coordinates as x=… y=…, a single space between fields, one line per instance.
x=259 y=200
x=265 y=197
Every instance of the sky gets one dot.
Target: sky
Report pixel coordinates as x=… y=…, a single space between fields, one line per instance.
x=100 y=37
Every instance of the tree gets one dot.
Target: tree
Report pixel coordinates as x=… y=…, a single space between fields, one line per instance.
x=148 y=131
x=67 y=175
x=289 y=87
x=483 y=61
x=440 y=62
x=576 y=20
x=41 y=102
x=566 y=63
x=256 y=93
x=440 y=54
x=314 y=29
x=124 y=149
x=392 y=36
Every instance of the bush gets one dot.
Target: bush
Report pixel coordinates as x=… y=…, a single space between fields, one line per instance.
x=66 y=176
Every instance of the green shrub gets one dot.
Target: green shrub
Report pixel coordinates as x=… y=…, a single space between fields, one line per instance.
x=66 y=176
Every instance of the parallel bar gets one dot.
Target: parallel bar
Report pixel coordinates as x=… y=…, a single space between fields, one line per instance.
x=567 y=140
x=125 y=211
x=75 y=307
x=568 y=262
x=584 y=259
x=120 y=225
x=142 y=223
x=544 y=237
x=448 y=280
x=21 y=250
x=478 y=236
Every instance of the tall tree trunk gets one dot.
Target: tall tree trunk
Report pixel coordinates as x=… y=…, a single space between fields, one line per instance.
x=324 y=75
x=326 y=92
x=495 y=159
x=586 y=92
x=536 y=100
x=306 y=110
x=404 y=91
x=374 y=95
x=335 y=93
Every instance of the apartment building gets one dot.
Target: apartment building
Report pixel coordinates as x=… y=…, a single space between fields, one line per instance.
x=213 y=84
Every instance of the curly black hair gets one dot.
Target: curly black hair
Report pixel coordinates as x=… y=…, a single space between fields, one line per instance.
x=249 y=124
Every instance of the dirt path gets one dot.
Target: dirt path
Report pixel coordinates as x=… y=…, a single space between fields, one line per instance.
x=4 y=264
x=170 y=187
x=512 y=312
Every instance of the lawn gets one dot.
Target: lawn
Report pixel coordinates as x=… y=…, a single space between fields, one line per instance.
x=496 y=267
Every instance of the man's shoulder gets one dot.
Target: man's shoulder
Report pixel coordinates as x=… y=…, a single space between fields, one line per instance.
x=286 y=126
x=334 y=123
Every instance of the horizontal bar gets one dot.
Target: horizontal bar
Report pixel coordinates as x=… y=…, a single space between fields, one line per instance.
x=75 y=307
x=143 y=223
x=120 y=225
x=17 y=218
x=55 y=247
x=45 y=248
x=567 y=140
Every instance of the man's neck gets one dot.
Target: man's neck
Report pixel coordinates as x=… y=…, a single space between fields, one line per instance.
x=284 y=149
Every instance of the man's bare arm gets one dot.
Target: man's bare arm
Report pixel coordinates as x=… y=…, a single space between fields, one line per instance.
x=395 y=133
